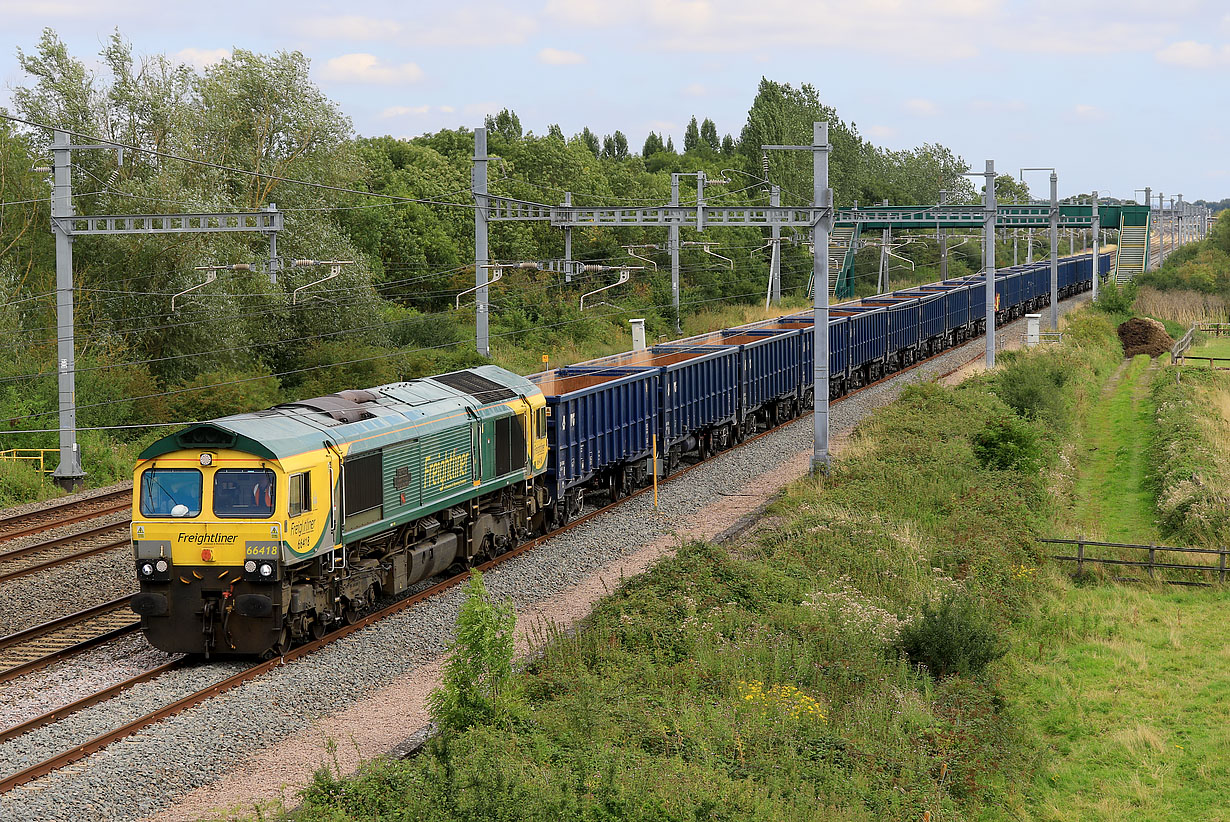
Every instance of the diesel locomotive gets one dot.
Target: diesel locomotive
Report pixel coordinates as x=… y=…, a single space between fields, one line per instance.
x=255 y=532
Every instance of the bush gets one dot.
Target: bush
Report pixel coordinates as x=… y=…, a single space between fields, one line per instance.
x=478 y=687
x=1114 y=299
x=954 y=637
x=1032 y=387
x=1007 y=444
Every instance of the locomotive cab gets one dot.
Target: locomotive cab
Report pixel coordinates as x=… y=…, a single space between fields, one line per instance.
x=208 y=528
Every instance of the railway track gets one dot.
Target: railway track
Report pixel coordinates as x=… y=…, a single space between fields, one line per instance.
x=103 y=740
x=15 y=526
x=31 y=559
x=38 y=647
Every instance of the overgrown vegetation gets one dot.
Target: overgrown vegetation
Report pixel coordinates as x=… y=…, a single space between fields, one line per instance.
x=780 y=677
x=1191 y=455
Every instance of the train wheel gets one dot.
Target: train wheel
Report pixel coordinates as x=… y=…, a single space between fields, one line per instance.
x=317 y=627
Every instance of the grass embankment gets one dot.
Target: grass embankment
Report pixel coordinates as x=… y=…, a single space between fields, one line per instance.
x=764 y=680
x=1124 y=685
x=1112 y=493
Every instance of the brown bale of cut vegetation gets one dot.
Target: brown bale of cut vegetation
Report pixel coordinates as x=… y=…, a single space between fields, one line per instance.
x=1140 y=335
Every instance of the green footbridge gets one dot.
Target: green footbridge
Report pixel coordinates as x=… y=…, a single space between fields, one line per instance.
x=1132 y=221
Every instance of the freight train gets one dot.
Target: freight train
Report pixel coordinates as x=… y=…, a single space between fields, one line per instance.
x=258 y=531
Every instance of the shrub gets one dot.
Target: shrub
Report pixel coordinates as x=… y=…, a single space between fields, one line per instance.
x=1115 y=299
x=1032 y=386
x=954 y=637
x=1008 y=444
x=478 y=687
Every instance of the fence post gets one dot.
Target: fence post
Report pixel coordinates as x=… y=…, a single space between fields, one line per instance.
x=1221 y=563
x=1080 y=558
x=1152 y=552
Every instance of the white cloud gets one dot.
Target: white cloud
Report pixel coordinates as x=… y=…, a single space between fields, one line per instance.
x=881 y=132
x=556 y=57
x=695 y=90
x=445 y=109
x=584 y=12
x=1087 y=112
x=369 y=69
x=476 y=109
x=403 y=111
x=475 y=24
x=349 y=27
x=997 y=105
x=921 y=108
x=1190 y=54
x=200 y=58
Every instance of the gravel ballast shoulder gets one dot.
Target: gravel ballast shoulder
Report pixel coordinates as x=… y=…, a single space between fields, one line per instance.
x=148 y=771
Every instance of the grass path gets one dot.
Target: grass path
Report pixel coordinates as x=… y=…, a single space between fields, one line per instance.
x=1124 y=685
x=1113 y=500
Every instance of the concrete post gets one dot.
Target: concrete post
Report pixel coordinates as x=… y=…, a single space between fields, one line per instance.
x=885 y=238
x=568 y=242
x=674 y=249
x=822 y=198
x=274 y=263
x=478 y=184
x=1054 y=251
x=943 y=238
x=1097 y=262
x=988 y=261
x=68 y=474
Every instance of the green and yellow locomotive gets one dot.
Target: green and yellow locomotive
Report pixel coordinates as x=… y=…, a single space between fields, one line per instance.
x=257 y=531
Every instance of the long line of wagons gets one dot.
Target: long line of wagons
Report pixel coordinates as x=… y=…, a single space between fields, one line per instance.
x=257 y=531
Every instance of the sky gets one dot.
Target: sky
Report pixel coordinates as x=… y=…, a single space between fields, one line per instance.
x=1115 y=95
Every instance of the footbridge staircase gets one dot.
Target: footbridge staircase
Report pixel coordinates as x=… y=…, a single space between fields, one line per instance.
x=843 y=242
x=1132 y=257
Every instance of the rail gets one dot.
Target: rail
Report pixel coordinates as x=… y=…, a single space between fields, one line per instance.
x=1151 y=565
x=38 y=458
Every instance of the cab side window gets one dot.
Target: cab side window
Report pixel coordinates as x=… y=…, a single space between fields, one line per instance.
x=540 y=427
x=300 y=493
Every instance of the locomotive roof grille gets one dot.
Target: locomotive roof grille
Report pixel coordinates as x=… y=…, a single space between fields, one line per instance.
x=478 y=387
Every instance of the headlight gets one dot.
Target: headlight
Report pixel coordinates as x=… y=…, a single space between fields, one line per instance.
x=147 y=569
x=249 y=566
x=161 y=566
x=266 y=569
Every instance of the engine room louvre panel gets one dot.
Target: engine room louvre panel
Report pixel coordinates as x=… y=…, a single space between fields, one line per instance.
x=402 y=477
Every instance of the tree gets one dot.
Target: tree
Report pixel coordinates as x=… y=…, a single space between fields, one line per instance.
x=691 y=137
x=728 y=146
x=615 y=146
x=670 y=144
x=653 y=144
x=709 y=135
x=478 y=686
x=506 y=123
x=1008 y=189
x=590 y=140
x=555 y=131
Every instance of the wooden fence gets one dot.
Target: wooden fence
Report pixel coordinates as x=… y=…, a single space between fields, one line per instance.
x=1178 y=352
x=1151 y=565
